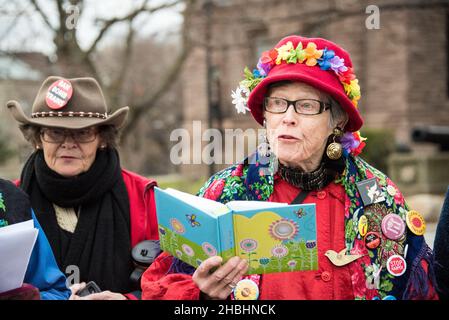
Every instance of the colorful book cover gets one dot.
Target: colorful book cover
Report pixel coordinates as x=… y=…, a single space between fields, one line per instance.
x=273 y=237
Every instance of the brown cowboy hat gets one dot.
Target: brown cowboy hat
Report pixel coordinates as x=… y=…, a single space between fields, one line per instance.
x=69 y=103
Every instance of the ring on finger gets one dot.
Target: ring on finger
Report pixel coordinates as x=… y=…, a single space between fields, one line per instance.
x=231 y=285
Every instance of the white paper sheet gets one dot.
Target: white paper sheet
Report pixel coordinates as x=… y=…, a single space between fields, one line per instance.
x=16 y=244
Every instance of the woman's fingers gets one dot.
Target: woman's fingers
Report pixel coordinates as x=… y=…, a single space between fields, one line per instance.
x=219 y=283
x=205 y=268
x=104 y=295
x=77 y=287
x=230 y=281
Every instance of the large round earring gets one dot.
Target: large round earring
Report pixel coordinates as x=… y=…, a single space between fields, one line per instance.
x=334 y=150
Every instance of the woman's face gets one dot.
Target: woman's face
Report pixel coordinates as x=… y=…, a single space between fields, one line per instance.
x=298 y=140
x=70 y=152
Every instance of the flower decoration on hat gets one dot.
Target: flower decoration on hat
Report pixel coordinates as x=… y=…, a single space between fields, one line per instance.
x=311 y=56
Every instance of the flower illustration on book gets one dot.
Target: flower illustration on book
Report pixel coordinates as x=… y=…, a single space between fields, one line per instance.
x=209 y=249
x=310 y=244
x=162 y=231
x=283 y=229
x=292 y=264
x=248 y=245
x=177 y=226
x=188 y=250
x=279 y=251
x=178 y=253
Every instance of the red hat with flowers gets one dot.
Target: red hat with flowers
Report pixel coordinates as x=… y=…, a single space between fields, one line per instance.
x=317 y=62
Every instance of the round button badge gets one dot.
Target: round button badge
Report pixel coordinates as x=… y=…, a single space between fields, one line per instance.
x=396 y=265
x=59 y=94
x=363 y=225
x=393 y=226
x=246 y=289
x=372 y=240
x=415 y=222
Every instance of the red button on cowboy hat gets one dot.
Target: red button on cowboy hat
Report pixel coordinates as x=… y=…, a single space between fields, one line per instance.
x=325 y=80
x=69 y=103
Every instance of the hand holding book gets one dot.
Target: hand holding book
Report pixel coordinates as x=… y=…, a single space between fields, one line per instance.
x=216 y=281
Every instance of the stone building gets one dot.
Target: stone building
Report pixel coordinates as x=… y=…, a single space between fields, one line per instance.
x=402 y=67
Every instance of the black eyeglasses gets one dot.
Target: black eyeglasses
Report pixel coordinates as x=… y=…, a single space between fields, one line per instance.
x=58 y=135
x=301 y=106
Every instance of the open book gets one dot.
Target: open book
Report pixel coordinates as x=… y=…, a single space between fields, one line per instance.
x=273 y=237
x=16 y=244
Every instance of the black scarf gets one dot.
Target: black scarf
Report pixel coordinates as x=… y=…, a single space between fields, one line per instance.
x=100 y=245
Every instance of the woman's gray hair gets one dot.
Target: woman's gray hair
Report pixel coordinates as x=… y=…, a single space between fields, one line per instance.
x=338 y=115
x=108 y=135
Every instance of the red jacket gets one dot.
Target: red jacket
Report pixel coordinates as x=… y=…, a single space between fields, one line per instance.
x=142 y=209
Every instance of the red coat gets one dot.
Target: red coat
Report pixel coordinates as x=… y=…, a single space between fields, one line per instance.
x=142 y=209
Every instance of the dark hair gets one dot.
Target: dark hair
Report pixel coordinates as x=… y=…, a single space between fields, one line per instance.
x=109 y=135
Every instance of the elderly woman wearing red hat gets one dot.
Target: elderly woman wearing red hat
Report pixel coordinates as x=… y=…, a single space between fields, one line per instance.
x=92 y=211
x=370 y=244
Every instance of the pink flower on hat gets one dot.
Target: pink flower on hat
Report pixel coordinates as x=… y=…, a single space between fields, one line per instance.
x=338 y=64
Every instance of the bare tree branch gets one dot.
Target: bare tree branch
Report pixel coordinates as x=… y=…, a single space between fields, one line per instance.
x=137 y=111
x=115 y=87
x=170 y=77
x=43 y=15
x=129 y=17
x=12 y=25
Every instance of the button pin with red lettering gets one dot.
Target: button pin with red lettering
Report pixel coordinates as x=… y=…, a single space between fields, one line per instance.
x=59 y=94
x=396 y=265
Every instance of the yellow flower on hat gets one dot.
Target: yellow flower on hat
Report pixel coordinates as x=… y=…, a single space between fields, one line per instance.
x=353 y=90
x=312 y=54
x=284 y=52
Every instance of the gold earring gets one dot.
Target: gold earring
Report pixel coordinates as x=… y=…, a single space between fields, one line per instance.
x=334 y=150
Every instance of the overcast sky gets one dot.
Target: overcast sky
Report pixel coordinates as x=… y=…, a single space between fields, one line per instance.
x=30 y=33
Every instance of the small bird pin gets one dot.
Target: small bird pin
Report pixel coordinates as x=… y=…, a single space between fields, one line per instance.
x=341 y=259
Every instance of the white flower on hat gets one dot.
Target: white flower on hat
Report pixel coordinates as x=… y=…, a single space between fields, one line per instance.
x=240 y=99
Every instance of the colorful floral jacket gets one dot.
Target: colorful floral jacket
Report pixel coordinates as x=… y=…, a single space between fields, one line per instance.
x=253 y=180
